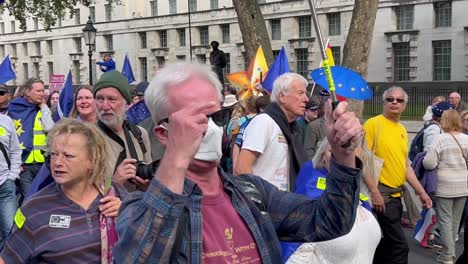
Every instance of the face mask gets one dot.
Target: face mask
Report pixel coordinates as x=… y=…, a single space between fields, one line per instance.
x=210 y=147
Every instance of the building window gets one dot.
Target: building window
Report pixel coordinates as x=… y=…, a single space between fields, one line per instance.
x=193 y=5
x=404 y=17
x=334 y=24
x=25 y=71
x=204 y=35
x=36 y=23
x=245 y=60
x=77 y=71
x=50 y=47
x=14 y=50
x=442 y=60
x=2 y=27
x=37 y=45
x=275 y=29
x=302 y=60
x=336 y=53
x=92 y=13
x=180 y=57
x=36 y=70
x=401 y=61
x=143 y=69
x=154 y=8
x=227 y=69
x=443 y=14
x=25 y=49
x=161 y=61
x=109 y=42
x=305 y=27
x=77 y=44
x=181 y=33
x=163 y=38
x=213 y=4
x=108 y=12
x=226 y=33
x=275 y=53
x=2 y=51
x=142 y=36
x=59 y=23
x=13 y=26
x=76 y=14
x=201 y=58
x=50 y=69
x=172 y=6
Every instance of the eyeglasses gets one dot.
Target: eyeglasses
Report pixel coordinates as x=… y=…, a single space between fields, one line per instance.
x=391 y=100
x=2 y=93
x=220 y=118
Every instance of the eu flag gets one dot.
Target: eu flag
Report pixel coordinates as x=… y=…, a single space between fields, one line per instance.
x=280 y=66
x=6 y=70
x=138 y=112
x=65 y=104
x=127 y=70
x=23 y=114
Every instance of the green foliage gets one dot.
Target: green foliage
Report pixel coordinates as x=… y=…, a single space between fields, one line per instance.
x=48 y=11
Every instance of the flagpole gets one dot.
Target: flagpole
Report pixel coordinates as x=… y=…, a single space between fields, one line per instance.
x=326 y=66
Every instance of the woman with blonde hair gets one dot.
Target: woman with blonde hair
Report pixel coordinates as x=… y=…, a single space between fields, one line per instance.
x=448 y=156
x=71 y=220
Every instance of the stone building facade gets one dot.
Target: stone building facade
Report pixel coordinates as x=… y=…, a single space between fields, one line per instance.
x=414 y=40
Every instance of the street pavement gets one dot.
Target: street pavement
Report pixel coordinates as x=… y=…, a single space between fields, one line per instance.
x=420 y=255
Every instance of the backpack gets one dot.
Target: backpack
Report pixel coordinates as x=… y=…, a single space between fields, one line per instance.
x=417 y=145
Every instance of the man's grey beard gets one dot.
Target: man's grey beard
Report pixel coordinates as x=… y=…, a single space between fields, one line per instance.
x=116 y=122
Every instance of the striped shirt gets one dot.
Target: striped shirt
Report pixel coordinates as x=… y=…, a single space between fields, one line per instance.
x=446 y=157
x=148 y=222
x=56 y=230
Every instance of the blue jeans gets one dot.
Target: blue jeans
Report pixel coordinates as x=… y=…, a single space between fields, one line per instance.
x=26 y=178
x=8 y=208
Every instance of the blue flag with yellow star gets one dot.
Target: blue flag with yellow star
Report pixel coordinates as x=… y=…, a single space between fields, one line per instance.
x=23 y=114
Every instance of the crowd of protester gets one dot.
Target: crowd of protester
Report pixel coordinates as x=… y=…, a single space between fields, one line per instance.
x=209 y=178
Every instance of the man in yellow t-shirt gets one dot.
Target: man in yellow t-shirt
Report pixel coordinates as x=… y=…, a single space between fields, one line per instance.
x=391 y=140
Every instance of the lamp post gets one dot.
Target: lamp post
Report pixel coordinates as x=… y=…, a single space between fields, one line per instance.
x=89 y=32
x=190 y=29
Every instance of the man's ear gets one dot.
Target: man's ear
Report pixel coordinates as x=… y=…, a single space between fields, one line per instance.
x=281 y=98
x=161 y=134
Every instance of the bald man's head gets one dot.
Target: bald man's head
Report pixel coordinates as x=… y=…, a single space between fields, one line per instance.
x=455 y=99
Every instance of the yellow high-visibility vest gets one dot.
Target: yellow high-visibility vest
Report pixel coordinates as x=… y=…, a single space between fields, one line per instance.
x=39 y=142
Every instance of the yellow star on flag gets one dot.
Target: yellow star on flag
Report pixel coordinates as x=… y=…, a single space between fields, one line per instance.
x=19 y=131
x=22 y=145
x=17 y=122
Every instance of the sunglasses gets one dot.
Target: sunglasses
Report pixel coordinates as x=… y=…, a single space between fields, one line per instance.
x=2 y=93
x=391 y=100
x=220 y=118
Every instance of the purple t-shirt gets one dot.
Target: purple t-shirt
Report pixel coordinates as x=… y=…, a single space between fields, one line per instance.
x=226 y=237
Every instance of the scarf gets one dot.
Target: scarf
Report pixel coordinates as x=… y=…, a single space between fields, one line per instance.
x=107 y=225
x=293 y=135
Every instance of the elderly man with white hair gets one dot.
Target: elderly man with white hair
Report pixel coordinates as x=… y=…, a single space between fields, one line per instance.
x=272 y=147
x=193 y=212
x=455 y=99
